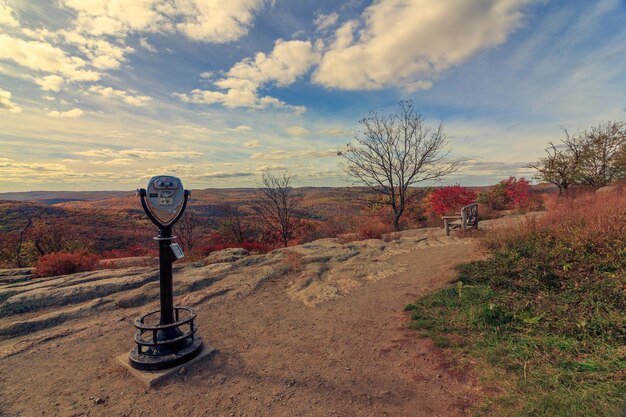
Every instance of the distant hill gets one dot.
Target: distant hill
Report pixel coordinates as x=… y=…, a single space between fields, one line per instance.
x=56 y=197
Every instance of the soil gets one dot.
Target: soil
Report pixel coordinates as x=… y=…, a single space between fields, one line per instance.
x=277 y=355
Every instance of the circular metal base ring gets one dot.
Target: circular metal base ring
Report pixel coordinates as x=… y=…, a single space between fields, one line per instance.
x=145 y=362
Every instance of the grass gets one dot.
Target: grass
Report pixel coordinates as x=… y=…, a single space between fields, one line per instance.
x=542 y=320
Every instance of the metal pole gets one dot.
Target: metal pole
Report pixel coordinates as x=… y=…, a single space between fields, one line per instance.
x=165 y=271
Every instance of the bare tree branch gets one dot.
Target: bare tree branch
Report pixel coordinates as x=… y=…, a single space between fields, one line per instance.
x=393 y=152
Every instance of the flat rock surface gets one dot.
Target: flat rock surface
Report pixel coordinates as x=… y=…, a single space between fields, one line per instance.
x=311 y=330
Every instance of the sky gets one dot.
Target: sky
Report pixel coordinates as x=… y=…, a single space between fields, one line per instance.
x=104 y=94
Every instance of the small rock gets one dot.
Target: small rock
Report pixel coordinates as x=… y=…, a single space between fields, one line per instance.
x=99 y=401
x=182 y=371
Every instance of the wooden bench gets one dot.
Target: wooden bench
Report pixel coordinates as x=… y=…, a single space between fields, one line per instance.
x=468 y=218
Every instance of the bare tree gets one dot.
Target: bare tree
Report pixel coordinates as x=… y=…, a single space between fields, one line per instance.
x=186 y=229
x=18 y=249
x=276 y=203
x=393 y=152
x=561 y=165
x=232 y=227
x=603 y=154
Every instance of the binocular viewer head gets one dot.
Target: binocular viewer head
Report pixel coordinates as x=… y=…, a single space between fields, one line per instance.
x=164 y=199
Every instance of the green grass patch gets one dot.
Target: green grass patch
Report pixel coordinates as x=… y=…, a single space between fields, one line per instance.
x=545 y=325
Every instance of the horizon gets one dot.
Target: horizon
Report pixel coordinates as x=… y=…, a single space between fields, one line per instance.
x=100 y=96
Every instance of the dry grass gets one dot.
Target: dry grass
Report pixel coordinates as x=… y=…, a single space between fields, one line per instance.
x=542 y=318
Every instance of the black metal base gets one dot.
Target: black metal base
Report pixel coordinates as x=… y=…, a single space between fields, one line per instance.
x=146 y=362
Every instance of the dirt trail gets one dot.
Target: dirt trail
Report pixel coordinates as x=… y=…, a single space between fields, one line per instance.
x=277 y=356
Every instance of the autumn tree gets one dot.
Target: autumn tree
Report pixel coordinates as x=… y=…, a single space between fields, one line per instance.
x=276 y=204
x=594 y=157
x=561 y=165
x=393 y=152
x=603 y=154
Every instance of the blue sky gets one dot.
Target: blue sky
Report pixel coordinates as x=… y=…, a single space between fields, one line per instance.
x=103 y=94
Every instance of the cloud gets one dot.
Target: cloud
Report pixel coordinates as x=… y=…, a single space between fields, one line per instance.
x=70 y=114
x=239 y=87
x=103 y=55
x=241 y=129
x=6 y=103
x=252 y=144
x=332 y=131
x=297 y=131
x=133 y=100
x=409 y=43
x=279 y=155
x=7 y=17
x=143 y=42
x=44 y=57
x=325 y=21
x=213 y=21
x=14 y=170
x=138 y=153
x=216 y=20
x=219 y=174
x=114 y=162
x=50 y=83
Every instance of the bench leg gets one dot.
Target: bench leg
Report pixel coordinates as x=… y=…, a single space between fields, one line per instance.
x=446 y=226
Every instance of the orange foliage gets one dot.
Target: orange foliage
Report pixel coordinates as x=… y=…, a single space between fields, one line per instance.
x=63 y=263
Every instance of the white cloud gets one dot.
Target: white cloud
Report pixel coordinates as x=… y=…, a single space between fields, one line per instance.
x=7 y=17
x=102 y=54
x=71 y=114
x=6 y=103
x=214 y=21
x=49 y=98
x=252 y=144
x=279 y=155
x=50 y=83
x=325 y=21
x=332 y=131
x=409 y=43
x=133 y=100
x=297 y=131
x=217 y=20
x=241 y=129
x=287 y=61
x=143 y=42
x=138 y=153
x=44 y=57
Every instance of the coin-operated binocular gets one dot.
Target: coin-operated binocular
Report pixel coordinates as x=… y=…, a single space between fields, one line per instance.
x=165 y=337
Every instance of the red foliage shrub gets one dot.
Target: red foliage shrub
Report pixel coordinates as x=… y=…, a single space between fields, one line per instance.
x=62 y=263
x=374 y=230
x=448 y=199
x=511 y=193
x=517 y=191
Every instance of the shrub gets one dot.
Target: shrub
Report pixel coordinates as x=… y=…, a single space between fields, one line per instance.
x=63 y=263
x=511 y=193
x=447 y=199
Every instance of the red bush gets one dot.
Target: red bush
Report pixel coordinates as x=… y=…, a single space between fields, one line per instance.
x=63 y=263
x=448 y=199
x=511 y=193
x=517 y=190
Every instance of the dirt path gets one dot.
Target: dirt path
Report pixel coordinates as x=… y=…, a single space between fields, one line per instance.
x=350 y=356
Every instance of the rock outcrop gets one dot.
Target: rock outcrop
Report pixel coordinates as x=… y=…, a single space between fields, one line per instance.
x=315 y=272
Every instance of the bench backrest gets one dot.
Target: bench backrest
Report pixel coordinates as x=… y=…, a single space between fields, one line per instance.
x=469 y=214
